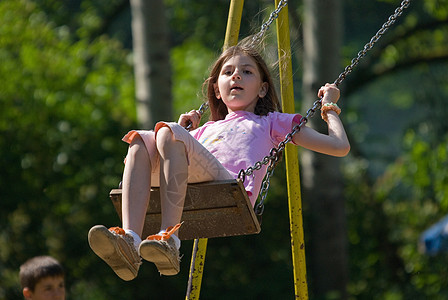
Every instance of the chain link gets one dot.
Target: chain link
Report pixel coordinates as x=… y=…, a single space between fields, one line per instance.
x=265 y=26
x=274 y=157
x=202 y=109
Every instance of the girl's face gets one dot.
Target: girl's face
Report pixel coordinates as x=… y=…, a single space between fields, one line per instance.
x=239 y=84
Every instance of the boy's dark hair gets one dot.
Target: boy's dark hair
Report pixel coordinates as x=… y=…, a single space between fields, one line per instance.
x=37 y=268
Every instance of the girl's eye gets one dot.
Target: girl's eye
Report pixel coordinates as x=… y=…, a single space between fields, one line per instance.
x=227 y=72
x=247 y=71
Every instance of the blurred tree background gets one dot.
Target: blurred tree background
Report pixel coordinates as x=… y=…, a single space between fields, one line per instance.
x=67 y=96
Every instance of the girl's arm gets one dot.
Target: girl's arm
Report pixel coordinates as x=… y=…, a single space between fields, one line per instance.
x=336 y=142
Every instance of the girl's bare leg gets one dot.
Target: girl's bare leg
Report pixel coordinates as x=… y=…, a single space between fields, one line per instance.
x=173 y=177
x=114 y=247
x=136 y=186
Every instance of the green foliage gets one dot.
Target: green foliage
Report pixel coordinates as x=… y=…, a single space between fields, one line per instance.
x=206 y=20
x=189 y=20
x=412 y=194
x=190 y=62
x=397 y=185
x=396 y=179
x=438 y=8
x=64 y=107
x=67 y=98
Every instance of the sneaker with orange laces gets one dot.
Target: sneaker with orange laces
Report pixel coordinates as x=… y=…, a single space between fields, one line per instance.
x=161 y=250
x=117 y=249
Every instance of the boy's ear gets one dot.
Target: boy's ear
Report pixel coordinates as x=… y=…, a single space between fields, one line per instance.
x=216 y=88
x=263 y=89
x=27 y=293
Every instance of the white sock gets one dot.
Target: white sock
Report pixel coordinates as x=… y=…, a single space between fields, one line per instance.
x=135 y=236
x=174 y=237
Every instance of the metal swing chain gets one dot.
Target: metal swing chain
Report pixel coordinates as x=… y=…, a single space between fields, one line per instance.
x=204 y=106
x=273 y=158
x=275 y=153
x=202 y=109
x=272 y=17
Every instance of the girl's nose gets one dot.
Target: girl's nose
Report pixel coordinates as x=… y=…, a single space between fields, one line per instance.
x=236 y=75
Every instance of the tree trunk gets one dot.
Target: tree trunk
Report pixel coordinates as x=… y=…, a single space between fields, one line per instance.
x=322 y=179
x=151 y=62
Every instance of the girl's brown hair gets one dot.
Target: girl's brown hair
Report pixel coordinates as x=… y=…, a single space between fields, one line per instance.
x=218 y=109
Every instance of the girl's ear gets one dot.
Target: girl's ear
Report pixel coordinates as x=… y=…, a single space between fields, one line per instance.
x=27 y=293
x=216 y=88
x=263 y=89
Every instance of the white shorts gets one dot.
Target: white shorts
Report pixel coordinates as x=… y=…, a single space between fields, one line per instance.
x=202 y=165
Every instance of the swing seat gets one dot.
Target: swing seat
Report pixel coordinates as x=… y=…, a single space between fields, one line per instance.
x=211 y=209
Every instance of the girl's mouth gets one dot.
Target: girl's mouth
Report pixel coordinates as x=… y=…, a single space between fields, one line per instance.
x=236 y=88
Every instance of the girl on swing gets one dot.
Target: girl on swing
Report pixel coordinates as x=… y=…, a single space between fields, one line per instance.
x=244 y=125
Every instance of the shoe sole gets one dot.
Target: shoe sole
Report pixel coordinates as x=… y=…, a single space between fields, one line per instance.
x=103 y=243
x=156 y=253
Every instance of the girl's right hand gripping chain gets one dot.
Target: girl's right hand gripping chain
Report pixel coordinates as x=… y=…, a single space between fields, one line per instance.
x=190 y=120
x=329 y=93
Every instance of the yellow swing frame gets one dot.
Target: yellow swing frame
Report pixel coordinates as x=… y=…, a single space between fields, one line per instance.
x=291 y=158
x=244 y=218
x=292 y=163
x=222 y=208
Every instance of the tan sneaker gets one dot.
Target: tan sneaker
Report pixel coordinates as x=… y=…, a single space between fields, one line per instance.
x=161 y=250
x=117 y=249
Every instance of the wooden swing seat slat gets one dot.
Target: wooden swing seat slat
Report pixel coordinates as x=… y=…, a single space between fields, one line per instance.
x=211 y=209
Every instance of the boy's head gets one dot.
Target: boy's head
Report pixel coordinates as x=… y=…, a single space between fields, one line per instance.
x=42 y=277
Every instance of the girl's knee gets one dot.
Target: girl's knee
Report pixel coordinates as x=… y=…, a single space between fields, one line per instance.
x=164 y=134
x=166 y=141
x=137 y=146
x=137 y=142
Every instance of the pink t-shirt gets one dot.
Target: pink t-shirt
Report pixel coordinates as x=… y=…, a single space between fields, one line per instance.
x=242 y=139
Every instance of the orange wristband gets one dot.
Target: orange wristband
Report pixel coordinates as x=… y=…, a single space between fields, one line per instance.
x=326 y=107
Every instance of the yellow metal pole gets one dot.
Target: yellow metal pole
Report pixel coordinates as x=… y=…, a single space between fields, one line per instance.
x=196 y=268
x=200 y=245
x=233 y=23
x=292 y=160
